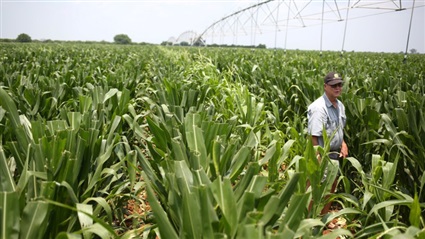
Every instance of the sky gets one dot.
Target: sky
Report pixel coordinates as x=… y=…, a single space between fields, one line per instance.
x=158 y=21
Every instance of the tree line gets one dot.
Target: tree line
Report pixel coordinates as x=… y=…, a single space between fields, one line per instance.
x=124 y=39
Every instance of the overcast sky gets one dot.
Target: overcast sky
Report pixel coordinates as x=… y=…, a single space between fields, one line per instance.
x=157 y=21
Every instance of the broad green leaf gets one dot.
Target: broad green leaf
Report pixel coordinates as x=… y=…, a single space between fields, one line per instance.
x=239 y=161
x=286 y=150
x=10 y=220
x=131 y=162
x=99 y=167
x=23 y=138
x=151 y=173
x=415 y=212
x=165 y=227
x=250 y=181
x=102 y=204
x=114 y=125
x=246 y=204
x=251 y=231
x=422 y=183
x=74 y=119
x=179 y=150
x=336 y=233
x=268 y=155
x=388 y=203
x=270 y=210
x=182 y=171
x=109 y=94
x=7 y=103
x=306 y=225
x=160 y=135
x=275 y=206
x=192 y=219
x=34 y=219
x=99 y=230
x=223 y=194
x=195 y=141
x=209 y=216
x=83 y=218
x=65 y=235
x=7 y=182
x=294 y=214
x=286 y=232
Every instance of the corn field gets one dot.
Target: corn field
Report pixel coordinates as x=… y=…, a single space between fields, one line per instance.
x=204 y=143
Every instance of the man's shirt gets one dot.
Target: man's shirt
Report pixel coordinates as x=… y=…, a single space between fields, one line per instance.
x=321 y=113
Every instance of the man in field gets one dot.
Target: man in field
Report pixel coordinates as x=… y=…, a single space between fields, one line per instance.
x=328 y=113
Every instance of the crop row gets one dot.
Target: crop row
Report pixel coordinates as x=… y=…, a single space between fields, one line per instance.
x=207 y=143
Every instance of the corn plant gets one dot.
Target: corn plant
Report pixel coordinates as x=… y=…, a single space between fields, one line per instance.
x=215 y=138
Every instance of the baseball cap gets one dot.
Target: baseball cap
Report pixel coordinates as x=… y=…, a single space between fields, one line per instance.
x=333 y=78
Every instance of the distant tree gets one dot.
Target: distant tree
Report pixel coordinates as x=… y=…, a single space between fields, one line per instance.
x=184 y=43
x=413 y=51
x=23 y=38
x=6 y=40
x=122 y=39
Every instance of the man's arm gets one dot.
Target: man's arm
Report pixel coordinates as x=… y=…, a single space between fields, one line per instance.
x=344 y=150
x=315 y=141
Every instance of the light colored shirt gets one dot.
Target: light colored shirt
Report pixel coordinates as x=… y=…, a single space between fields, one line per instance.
x=323 y=114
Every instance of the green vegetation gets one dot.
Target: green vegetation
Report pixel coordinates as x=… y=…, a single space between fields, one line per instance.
x=23 y=38
x=208 y=142
x=122 y=39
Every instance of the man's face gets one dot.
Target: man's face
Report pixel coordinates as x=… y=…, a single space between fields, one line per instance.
x=333 y=91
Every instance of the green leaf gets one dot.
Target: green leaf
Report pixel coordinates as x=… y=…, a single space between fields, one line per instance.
x=65 y=235
x=306 y=225
x=22 y=136
x=109 y=94
x=286 y=150
x=294 y=215
x=388 y=203
x=209 y=216
x=246 y=204
x=195 y=141
x=97 y=229
x=271 y=209
x=269 y=154
x=223 y=194
x=84 y=219
x=7 y=103
x=275 y=206
x=239 y=161
x=74 y=119
x=182 y=171
x=34 y=218
x=160 y=135
x=250 y=181
x=10 y=219
x=336 y=233
x=7 y=183
x=102 y=204
x=165 y=227
x=415 y=212
x=192 y=219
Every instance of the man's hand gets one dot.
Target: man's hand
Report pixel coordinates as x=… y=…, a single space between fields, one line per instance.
x=344 y=150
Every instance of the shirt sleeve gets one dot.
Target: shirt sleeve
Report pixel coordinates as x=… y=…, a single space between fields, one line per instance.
x=316 y=121
x=343 y=116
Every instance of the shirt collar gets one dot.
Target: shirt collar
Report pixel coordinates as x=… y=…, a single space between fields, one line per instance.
x=328 y=102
